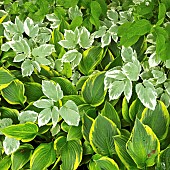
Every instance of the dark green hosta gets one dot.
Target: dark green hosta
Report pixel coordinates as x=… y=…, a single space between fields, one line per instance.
x=84 y=84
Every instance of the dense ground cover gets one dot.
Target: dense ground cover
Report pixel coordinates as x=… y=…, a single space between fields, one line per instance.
x=84 y=84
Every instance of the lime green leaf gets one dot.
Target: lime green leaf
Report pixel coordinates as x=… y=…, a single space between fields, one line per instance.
x=14 y=93
x=10 y=145
x=5 y=78
x=85 y=40
x=93 y=90
x=102 y=163
x=30 y=29
x=27 y=68
x=101 y=135
x=110 y=112
x=43 y=156
x=67 y=3
x=125 y=110
x=147 y=94
x=120 y=147
x=70 y=113
x=157 y=120
x=143 y=145
x=43 y=50
x=44 y=116
x=27 y=116
x=24 y=132
x=161 y=14
x=21 y=156
x=91 y=58
x=5 y=163
x=87 y=122
x=51 y=90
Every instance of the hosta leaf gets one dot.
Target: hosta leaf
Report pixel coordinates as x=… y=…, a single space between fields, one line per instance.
x=43 y=50
x=5 y=78
x=86 y=40
x=51 y=90
x=120 y=147
x=157 y=120
x=143 y=145
x=74 y=133
x=14 y=93
x=101 y=135
x=147 y=94
x=125 y=110
x=70 y=113
x=10 y=145
x=116 y=90
x=43 y=156
x=21 y=156
x=27 y=68
x=91 y=58
x=24 y=132
x=102 y=163
x=27 y=116
x=30 y=29
x=110 y=112
x=93 y=90
x=5 y=163
x=44 y=103
x=44 y=117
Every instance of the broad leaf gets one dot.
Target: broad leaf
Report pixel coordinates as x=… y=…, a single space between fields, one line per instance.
x=14 y=93
x=5 y=163
x=101 y=136
x=70 y=113
x=27 y=116
x=143 y=145
x=74 y=133
x=43 y=156
x=10 y=145
x=24 y=132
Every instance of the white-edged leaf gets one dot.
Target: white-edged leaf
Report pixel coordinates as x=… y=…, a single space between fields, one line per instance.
x=70 y=113
x=19 y=24
x=54 y=19
x=43 y=60
x=51 y=90
x=43 y=50
x=29 y=28
x=27 y=68
x=112 y=15
x=10 y=145
x=55 y=130
x=44 y=103
x=5 y=47
x=106 y=39
x=19 y=57
x=36 y=65
x=147 y=94
x=59 y=65
x=116 y=90
x=74 y=12
x=154 y=60
x=5 y=122
x=55 y=116
x=44 y=117
x=127 y=54
x=115 y=74
x=27 y=116
x=85 y=40
x=10 y=27
x=99 y=33
x=128 y=89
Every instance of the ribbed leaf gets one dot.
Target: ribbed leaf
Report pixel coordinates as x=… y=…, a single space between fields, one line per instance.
x=5 y=163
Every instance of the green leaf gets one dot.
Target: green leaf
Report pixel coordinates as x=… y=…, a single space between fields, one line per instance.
x=161 y=14
x=74 y=133
x=43 y=156
x=5 y=163
x=120 y=147
x=87 y=122
x=143 y=145
x=147 y=94
x=101 y=136
x=10 y=145
x=93 y=90
x=43 y=50
x=51 y=90
x=44 y=117
x=67 y=3
x=110 y=112
x=30 y=29
x=157 y=120
x=21 y=156
x=24 y=132
x=85 y=40
x=102 y=163
x=91 y=58
x=125 y=110
x=27 y=68
x=5 y=78
x=70 y=113
x=27 y=116
x=14 y=93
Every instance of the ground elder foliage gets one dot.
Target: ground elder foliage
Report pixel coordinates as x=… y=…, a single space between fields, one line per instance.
x=84 y=84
